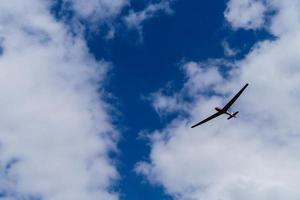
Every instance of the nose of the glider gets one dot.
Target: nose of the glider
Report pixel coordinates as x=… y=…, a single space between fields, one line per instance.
x=217 y=109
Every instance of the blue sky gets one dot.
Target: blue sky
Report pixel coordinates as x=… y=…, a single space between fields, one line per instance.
x=99 y=96
x=195 y=31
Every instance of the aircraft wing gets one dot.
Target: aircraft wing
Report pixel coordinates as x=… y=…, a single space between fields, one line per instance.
x=208 y=119
x=227 y=106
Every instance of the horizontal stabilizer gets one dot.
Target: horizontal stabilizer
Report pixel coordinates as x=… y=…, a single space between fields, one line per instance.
x=233 y=115
x=229 y=117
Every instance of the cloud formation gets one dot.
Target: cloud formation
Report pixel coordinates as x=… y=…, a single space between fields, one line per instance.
x=254 y=156
x=96 y=10
x=135 y=19
x=55 y=134
x=99 y=12
x=228 y=51
x=247 y=14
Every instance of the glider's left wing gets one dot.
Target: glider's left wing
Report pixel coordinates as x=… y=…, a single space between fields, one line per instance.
x=207 y=119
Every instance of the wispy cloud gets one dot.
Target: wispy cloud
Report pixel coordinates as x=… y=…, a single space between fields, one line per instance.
x=134 y=20
x=55 y=133
x=254 y=156
x=97 y=11
x=229 y=51
x=108 y=12
x=247 y=14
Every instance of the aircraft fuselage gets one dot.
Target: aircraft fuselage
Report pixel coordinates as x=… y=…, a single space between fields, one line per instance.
x=224 y=112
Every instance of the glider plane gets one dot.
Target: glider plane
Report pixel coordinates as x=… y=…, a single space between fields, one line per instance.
x=224 y=110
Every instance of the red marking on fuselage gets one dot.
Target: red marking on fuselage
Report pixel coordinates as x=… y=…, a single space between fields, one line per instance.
x=218 y=109
x=222 y=111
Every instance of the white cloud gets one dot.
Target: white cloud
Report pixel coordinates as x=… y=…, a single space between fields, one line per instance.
x=287 y=17
x=95 y=10
x=279 y=17
x=55 y=134
x=248 y=14
x=203 y=76
x=229 y=51
x=251 y=157
x=135 y=19
x=98 y=12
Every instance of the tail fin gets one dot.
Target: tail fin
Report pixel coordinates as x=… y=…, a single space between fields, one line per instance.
x=233 y=115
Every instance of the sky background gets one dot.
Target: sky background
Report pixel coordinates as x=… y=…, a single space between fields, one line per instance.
x=100 y=95
x=195 y=31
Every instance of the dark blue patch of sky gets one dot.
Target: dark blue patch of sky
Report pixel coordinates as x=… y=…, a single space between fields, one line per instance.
x=194 y=32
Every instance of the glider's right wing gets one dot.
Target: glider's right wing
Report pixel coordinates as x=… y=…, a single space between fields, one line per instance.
x=207 y=119
x=227 y=106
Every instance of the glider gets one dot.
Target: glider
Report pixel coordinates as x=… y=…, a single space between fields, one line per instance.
x=224 y=110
